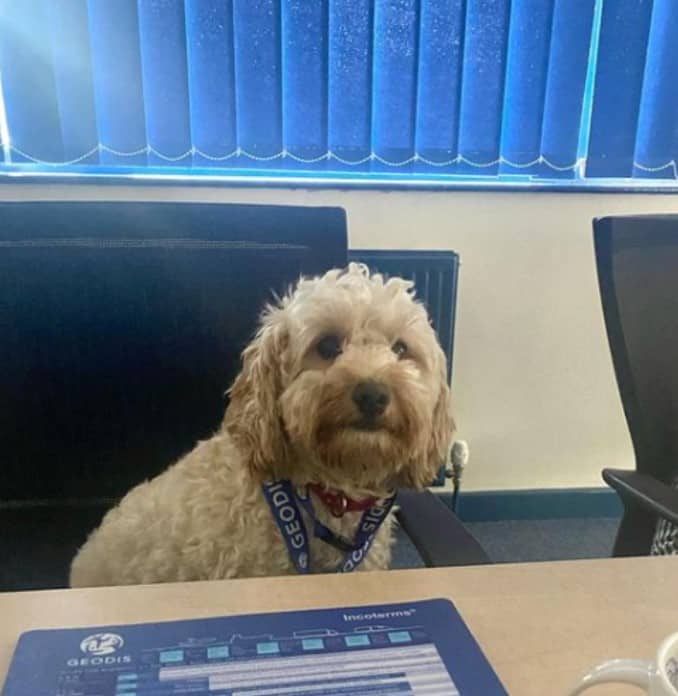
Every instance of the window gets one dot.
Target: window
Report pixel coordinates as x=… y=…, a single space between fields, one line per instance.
x=564 y=92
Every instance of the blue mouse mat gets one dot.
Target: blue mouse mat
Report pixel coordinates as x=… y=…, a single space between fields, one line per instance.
x=418 y=648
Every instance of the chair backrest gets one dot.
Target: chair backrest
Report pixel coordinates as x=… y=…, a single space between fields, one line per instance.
x=637 y=260
x=121 y=326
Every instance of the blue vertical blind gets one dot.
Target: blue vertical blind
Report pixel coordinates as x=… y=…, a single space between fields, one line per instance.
x=410 y=89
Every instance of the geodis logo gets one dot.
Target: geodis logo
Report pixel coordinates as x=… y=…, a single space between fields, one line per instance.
x=100 y=649
x=102 y=644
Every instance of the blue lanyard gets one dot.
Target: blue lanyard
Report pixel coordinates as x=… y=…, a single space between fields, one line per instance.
x=282 y=501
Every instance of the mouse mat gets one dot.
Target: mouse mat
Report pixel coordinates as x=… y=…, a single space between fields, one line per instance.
x=415 y=648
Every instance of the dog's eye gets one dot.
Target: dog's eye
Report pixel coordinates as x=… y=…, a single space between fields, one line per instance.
x=400 y=349
x=329 y=347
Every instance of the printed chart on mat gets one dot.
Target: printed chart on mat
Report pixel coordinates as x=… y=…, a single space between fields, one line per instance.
x=416 y=648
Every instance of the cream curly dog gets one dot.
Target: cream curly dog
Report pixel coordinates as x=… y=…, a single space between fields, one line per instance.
x=343 y=389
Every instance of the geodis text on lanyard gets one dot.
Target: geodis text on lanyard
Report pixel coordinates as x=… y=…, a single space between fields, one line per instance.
x=282 y=500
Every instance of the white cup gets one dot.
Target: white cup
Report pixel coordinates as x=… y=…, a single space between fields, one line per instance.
x=658 y=678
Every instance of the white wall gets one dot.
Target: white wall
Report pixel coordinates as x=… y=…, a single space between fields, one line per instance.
x=533 y=381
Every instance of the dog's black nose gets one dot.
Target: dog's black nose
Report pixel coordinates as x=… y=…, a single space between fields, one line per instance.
x=371 y=398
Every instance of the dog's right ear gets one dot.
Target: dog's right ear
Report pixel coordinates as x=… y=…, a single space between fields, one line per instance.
x=253 y=417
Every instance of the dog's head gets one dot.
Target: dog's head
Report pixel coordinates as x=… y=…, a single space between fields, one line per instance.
x=344 y=385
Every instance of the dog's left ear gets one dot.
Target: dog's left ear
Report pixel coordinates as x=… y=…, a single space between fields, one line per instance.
x=433 y=452
x=442 y=426
x=253 y=417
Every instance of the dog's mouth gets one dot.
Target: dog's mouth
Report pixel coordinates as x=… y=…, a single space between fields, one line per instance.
x=367 y=425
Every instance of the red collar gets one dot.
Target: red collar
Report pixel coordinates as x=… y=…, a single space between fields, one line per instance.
x=338 y=503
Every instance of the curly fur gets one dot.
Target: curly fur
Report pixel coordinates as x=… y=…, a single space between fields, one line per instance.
x=290 y=416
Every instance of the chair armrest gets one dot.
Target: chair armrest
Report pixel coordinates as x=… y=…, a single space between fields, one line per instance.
x=644 y=491
x=436 y=532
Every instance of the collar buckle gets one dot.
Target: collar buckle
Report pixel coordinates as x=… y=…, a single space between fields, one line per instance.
x=339 y=505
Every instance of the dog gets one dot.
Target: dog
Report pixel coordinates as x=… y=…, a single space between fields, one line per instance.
x=343 y=395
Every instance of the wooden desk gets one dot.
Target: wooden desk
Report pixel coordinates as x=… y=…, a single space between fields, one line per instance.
x=540 y=624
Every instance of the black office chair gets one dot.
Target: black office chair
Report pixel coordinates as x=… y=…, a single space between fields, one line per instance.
x=637 y=260
x=121 y=326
